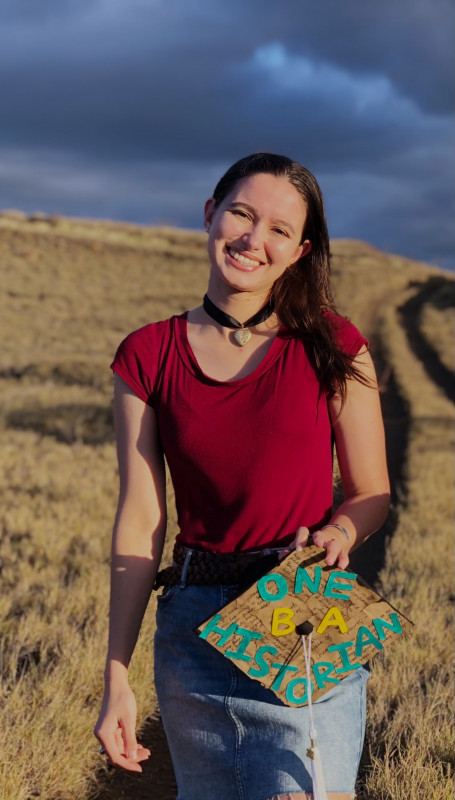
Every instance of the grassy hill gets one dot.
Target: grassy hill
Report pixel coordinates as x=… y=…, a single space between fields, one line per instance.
x=71 y=290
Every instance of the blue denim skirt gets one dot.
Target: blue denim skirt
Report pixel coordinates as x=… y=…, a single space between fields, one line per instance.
x=229 y=737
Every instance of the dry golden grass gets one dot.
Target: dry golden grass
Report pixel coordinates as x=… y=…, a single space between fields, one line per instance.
x=72 y=290
x=410 y=736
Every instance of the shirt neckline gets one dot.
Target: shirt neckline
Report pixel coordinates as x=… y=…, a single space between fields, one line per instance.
x=190 y=361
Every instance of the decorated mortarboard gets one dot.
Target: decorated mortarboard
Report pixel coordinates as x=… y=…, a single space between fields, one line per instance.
x=261 y=630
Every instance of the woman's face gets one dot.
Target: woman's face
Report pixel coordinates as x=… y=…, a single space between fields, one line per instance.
x=255 y=234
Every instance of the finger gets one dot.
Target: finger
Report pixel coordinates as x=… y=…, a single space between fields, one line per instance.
x=299 y=542
x=336 y=554
x=119 y=740
x=320 y=538
x=343 y=561
x=301 y=538
x=333 y=550
x=115 y=755
x=129 y=739
x=143 y=753
x=126 y=763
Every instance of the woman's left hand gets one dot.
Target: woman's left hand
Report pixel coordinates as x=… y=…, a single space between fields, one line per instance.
x=329 y=540
x=334 y=543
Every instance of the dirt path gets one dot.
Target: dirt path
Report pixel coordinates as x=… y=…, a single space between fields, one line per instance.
x=411 y=313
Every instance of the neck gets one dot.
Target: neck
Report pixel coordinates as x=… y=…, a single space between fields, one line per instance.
x=240 y=305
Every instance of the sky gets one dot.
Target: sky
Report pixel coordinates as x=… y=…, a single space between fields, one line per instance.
x=132 y=109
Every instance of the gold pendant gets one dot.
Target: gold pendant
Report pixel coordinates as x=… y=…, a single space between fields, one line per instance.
x=242 y=336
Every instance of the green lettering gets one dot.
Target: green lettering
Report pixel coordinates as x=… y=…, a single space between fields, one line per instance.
x=341 y=648
x=381 y=625
x=212 y=627
x=302 y=577
x=290 y=695
x=280 y=583
x=262 y=668
x=283 y=669
x=364 y=638
x=334 y=588
x=321 y=671
x=247 y=637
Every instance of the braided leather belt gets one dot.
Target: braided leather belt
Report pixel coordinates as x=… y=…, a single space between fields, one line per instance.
x=201 y=567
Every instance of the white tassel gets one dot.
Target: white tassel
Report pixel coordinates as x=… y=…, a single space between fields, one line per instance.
x=319 y=792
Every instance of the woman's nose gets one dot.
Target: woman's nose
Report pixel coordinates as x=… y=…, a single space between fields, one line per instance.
x=253 y=238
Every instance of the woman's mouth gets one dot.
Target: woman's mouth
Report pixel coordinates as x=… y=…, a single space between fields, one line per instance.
x=244 y=260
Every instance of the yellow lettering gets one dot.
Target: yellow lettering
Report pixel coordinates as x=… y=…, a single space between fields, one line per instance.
x=333 y=617
x=282 y=616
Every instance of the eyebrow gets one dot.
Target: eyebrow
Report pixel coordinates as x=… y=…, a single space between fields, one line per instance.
x=283 y=222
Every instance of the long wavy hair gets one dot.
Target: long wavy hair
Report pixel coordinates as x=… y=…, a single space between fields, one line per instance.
x=303 y=292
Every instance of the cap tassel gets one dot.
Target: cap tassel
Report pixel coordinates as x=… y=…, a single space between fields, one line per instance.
x=319 y=791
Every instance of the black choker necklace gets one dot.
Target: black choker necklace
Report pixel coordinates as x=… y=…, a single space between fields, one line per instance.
x=242 y=335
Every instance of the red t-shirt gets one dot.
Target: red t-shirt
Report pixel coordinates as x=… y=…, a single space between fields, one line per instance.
x=250 y=459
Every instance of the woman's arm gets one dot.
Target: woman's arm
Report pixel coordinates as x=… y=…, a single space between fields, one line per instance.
x=360 y=446
x=137 y=545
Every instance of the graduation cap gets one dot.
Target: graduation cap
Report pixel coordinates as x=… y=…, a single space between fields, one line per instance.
x=261 y=629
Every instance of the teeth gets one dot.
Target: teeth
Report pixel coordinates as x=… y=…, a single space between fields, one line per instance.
x=243 y=260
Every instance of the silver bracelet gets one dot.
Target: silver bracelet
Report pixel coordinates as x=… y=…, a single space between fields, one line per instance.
x=340 y=528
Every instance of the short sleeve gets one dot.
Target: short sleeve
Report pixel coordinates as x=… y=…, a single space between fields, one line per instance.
x=347 y=336
x=137 y=360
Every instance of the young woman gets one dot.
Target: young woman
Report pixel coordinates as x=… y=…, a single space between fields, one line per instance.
x=244 y=396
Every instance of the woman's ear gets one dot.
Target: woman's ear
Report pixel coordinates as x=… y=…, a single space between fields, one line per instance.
x=306 y=248
x=209 y=210
x=302 y=250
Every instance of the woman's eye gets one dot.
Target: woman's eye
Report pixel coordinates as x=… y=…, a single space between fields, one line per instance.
x=239 y=213
x=280 y=231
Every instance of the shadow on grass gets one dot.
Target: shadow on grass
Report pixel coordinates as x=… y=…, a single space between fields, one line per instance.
x=368 y=560
x=72 y=422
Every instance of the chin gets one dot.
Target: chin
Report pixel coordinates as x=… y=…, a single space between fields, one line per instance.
x=241 y=278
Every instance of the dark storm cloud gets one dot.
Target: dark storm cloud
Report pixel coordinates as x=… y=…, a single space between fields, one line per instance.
x=410 y=42
x=359 y=91
x=154 y=104
x=24 y=11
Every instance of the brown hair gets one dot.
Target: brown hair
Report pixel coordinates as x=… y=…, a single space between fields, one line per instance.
x=304 y=291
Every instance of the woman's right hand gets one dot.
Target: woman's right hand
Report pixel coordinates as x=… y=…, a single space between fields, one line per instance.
x=116 y=729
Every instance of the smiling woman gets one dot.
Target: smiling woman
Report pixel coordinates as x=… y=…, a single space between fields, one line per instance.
x=247 y=236
x=246 y=423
